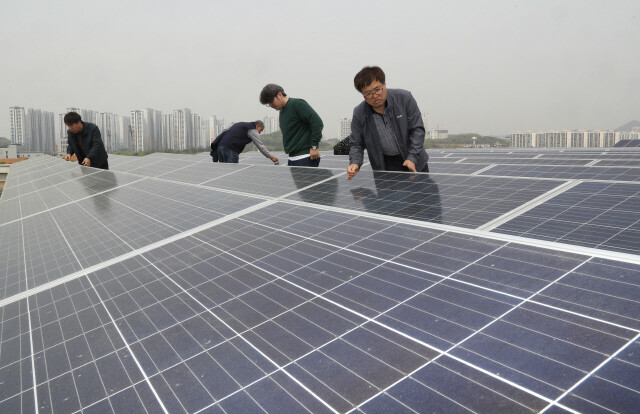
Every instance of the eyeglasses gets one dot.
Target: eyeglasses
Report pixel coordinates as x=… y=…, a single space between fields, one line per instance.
x=374 y=91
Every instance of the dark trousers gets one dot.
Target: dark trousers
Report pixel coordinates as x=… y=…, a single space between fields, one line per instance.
x=226 y=155
x=305 y=162
x=394 y=163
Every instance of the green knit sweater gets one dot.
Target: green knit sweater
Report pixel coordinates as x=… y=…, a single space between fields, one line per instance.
x=301 y=127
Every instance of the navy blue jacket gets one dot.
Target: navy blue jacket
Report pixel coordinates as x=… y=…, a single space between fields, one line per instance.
x=234 y=138
x=91 y=144
x=406 y=120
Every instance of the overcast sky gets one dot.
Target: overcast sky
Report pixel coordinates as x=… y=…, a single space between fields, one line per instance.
x=490 y=67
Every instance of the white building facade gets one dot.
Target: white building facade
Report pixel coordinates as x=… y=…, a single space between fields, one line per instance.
x=137 y=131
x=566 y=139
x=345 y=128
x=16 y=116
x=33 y=129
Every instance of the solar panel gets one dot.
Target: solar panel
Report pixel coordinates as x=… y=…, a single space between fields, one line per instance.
x=465 y=201
x=567 y=173
x=622 y=143
x=453 y=168
x=628 y=143
x=599 y=215
x=217 y=288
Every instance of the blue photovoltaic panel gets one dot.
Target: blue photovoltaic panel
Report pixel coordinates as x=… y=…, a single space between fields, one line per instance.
x=526 y=161
x=188 y=297
x=600 y=215
x=466 y=201
x=455 y=168
x=270 y=180
x=566 y=172
x=628 y=143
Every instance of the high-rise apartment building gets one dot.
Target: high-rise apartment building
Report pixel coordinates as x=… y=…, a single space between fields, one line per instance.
x=345 y=128
x=33 y=129
x=213 y=121
x=271 y=124
x=126 y=138
x=565 y=139
x=168 y=131
x=16 y=115
x=219 y=126
x=205 y=134
x=109 y=130
x=137 y=131
x=182 y=127
x=198 y=138
x=40 y=131
x=153 y=121
x=146 y=127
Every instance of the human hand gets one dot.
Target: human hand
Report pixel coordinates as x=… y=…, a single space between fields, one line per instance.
x=86 y=162
x=352 y=170
x=314 y=154
x=67 y=157
x=410 y=165
x=273 y=158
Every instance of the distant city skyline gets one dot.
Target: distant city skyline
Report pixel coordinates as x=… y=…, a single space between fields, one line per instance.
x=143 y=130
x=487 y=67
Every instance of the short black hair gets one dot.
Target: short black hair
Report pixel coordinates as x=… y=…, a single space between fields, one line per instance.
x=269 y=92
x=367 y=76
x=72 y=118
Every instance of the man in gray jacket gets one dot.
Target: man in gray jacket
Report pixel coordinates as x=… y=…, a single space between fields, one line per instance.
x=388 y=124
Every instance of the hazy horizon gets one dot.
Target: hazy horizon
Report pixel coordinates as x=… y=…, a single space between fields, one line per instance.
x=491 y=68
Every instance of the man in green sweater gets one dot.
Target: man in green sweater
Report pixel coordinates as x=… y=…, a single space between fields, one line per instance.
x=300 y=125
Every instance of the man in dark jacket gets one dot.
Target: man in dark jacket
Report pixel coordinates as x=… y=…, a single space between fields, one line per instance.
x=388 y=123
x=84 y=140
x=228 y=145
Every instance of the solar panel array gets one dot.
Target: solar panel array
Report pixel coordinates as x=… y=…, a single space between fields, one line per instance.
x=628 y=143
x=504 y=281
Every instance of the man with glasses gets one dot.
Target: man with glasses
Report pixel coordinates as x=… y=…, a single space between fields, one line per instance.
x=388 y=124
x=300 y=125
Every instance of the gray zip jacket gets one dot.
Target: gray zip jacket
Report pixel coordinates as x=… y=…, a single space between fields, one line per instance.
x=406 y=120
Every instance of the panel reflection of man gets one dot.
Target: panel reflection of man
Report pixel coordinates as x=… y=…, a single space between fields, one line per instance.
x=424 y=203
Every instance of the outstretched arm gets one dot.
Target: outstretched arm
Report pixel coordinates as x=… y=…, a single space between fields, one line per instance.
x=255 y=137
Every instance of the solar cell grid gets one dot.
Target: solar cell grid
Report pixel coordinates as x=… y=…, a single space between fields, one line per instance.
x=565 y=172
x=12 y=277
x=10 y=211
x=466 y=201
x=617 y=162
x=293 y=307
x=89 y=247
x=202 y=172
x=526 y=161
x=134 y=228
x=599 y=215
x=46 y=252
x=270 y=181
x=455 y=168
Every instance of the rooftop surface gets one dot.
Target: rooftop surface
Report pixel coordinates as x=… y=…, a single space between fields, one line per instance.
x=504 y=281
